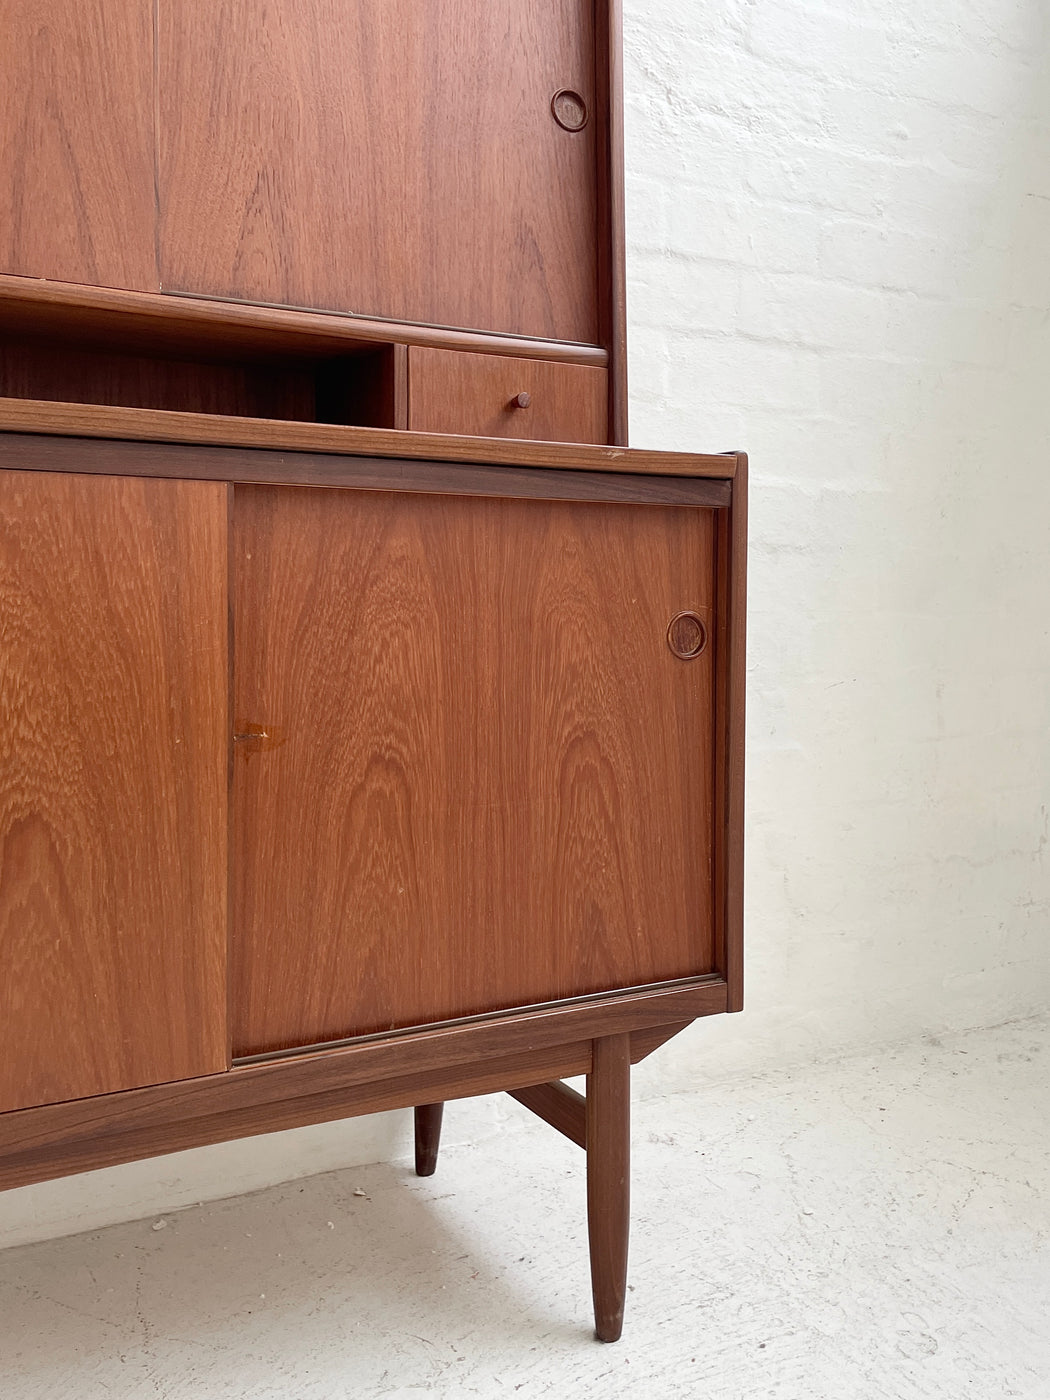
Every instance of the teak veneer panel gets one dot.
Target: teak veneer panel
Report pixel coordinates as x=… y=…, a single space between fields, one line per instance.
x=113 y=783
x=386 y=158
x=77 y=196
x=470 y=773
x=453 y=392
x=158 y=425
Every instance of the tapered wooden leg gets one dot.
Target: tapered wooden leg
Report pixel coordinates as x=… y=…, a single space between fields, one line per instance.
x=608 y=1180
x=428 y=1137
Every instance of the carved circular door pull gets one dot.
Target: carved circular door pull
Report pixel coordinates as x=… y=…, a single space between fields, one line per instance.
x=570 y=110
x=686 y=635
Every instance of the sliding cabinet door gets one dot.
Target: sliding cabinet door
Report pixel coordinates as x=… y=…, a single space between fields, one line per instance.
x=472 y=770
x=385 y=158
x=113 y=783
x=78 y=200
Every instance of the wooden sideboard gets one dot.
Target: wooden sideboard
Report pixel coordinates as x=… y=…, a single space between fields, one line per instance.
x=371 y=718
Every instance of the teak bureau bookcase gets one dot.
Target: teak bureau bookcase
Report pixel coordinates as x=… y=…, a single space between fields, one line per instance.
x=371 y=717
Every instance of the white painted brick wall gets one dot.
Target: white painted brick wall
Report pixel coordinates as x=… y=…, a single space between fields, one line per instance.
x=839 y=259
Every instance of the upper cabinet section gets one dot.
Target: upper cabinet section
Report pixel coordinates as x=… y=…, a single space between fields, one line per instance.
x=77 y=170
x=436 y=173
x=386 y=157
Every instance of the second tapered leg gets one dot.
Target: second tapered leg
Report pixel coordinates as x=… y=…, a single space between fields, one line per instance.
x=428 y=1137
x=608 y=1180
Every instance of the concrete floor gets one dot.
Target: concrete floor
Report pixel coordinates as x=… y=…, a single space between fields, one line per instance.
x=877 y=1228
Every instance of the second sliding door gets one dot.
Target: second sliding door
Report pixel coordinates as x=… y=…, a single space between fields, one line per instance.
x=470 y=773
x=383 y=157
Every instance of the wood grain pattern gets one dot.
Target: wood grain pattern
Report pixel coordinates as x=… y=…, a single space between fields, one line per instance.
x=482 y=780
x=29 y=452
x=113 y=757
x=452 y=392
x=175 y=324
x=77 y=198
x=383 y=157
x=448 y=1062
x=153 y=425
x=42 y=369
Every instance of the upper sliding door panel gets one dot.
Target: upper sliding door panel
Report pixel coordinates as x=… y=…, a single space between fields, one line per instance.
x=382 y=157
x=472 y=773
x=113 y=783
x=77 y=195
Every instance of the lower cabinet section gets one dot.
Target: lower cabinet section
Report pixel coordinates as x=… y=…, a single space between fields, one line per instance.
x=469 y=817
x=113 y=783
x=470 y=761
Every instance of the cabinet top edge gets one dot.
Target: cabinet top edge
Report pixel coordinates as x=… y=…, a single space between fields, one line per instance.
x=162 y=425
x=182 y=322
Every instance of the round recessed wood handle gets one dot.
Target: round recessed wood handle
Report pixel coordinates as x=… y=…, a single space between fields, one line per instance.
x=521 y=400
x=687 y=635
x=569 y=110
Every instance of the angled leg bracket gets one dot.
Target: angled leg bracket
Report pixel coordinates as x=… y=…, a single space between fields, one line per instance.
x=559 y=1105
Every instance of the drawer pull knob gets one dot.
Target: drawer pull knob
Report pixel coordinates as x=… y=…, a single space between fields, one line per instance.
x=687 y=635
x=521 y=400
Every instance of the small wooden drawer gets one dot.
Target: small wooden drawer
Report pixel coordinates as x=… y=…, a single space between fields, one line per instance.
x=453 y=391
